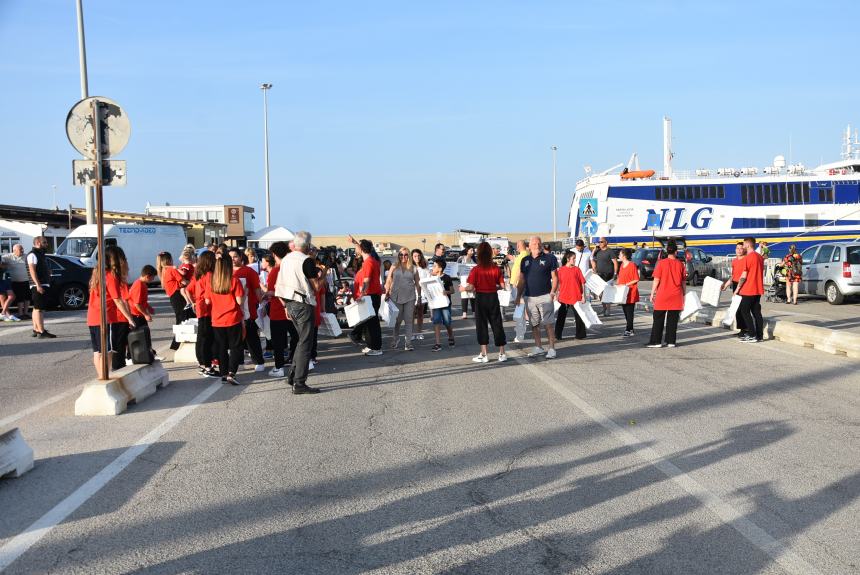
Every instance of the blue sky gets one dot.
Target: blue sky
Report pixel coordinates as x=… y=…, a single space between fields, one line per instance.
x=418 y=116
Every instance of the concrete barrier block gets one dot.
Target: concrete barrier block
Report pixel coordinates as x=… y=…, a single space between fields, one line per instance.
x=186 y=353
x=133 y=383
x=16 y=457
x=820 y=338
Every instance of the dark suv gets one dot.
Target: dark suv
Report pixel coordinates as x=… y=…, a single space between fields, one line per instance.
x=646 y=259
x=699 y=264
x=69 y=282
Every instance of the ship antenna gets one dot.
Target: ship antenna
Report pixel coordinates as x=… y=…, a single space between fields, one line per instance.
x=667 y=147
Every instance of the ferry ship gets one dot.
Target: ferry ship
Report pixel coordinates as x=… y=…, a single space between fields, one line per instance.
x=784 y=205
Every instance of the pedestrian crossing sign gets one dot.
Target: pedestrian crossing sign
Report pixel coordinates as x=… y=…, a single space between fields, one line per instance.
x=588 y=208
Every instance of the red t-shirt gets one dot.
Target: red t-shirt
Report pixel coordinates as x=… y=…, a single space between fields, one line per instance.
x=357 y=282
x=138 y=294
x=754 y=266
x=319 y=307
x=670 y=293
x=370 y=269
x=114 y=292
x=197 y=289
x=276 y=308
x=737 y=268
x=225 y=311
x=252 y=284
x=170 y=278
x=629 y=273
x=570 y=282
x=485 y=279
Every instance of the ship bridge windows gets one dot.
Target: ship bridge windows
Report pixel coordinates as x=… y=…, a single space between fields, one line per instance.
x=689 y=193
x=825 y=195
x=783 y=193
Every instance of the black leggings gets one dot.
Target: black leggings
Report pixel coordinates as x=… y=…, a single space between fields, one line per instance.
x=281 y=330
x=370 y=330
x=628 y=314
x=118 y=333
x=177 y=302
x=252 y=341
x=488 y=311
x=561 y=318
x=464 y=303
x=205 y=341
x=670 y=317
x=739 y=318
x=229 y=343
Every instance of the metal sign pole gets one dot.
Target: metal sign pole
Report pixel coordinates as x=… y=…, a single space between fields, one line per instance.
x=100 y=262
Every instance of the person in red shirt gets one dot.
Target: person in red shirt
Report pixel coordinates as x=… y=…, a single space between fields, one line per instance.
x=750 y=288
x=224 y=294
x=251 y=283
x=138 y=302
x=628 y=274
x=667 y=295
x=319 y=309
x=171 y=281
x=279 y=323
x=201 y=282
x=369 y=286
x=117 y=314
x=485 y=280
x=737 y=271
x=570 y=291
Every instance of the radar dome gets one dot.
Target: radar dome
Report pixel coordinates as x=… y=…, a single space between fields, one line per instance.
x=779 y=162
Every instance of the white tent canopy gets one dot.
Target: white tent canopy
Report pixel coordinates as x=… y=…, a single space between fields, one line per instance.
x=267 y=236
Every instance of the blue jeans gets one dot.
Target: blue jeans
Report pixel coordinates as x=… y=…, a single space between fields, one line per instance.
x=442 y=316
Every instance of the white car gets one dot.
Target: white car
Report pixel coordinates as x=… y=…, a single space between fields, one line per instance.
x=831 y=270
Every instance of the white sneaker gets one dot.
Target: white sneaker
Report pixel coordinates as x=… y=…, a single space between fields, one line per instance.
x=537 y=351
x=277 y=372
x=421 y=336
x=463 y=317
x=481 y=358
x=503 y=357
x=311 y=365
x=517 y=340
x=374 y=352
x=259 y=368
x=365 y=350
x=129 y=361
x=550 y=353
x=4 y=317
x=157 y=358
x=12 y=317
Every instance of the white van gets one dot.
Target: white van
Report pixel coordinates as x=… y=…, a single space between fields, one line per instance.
x=140 y=242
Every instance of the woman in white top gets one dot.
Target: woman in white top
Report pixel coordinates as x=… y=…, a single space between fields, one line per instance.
x=401 y=287
x=421 y=265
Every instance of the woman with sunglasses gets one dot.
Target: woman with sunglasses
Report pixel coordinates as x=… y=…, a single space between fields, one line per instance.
x=402 y=288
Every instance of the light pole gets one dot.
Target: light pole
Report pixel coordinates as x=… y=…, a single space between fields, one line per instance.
x=265 y=88
x=554 y=232
x=85 y=92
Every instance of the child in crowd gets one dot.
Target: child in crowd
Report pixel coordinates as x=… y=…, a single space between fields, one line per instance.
x=186 y=272
x=138 y=302
x=344 y=294
x=442 y=316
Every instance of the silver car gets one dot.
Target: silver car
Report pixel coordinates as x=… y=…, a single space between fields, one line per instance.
x=831 y=270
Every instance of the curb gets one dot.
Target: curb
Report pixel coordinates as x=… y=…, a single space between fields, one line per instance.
x=819 y=338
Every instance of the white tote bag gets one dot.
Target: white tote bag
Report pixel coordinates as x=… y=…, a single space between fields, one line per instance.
x=464 y=281
x=504 y=297
x=613 y=293
x=434 y=292
x=359 y=312
x=329 y=325
x=691 y=304
x=589 y=318
x=388 y=313
x=712 y=289
x=732 y=311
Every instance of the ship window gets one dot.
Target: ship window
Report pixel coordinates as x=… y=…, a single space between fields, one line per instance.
x=766 y=189
x=745 y=198
x=759 y=194
x=782 y=194
x=685 y=193
x=697 y=193
x=712 y=192
x=674 y=193
x=821 y=195
x=805 y=192
x=721 y=192
x=790 y=193
x=829 y=197
x=772 y=222
x=810 y=220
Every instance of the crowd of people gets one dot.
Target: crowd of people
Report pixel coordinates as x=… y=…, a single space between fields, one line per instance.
x=227 y=288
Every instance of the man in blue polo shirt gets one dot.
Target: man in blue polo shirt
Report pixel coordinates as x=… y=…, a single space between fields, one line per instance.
x=538 y=282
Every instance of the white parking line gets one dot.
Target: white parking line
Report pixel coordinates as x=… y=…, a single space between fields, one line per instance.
x=787 y=559
x=35 y=532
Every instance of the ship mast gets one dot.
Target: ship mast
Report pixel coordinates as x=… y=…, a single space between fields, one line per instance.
x=667 y=147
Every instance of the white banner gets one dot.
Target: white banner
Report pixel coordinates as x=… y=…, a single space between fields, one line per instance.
x=691 y=304
x=711 y=291
x=594 y=282
x=589 y=318
x=732 y=311
x=434 y=292
x=614 y=293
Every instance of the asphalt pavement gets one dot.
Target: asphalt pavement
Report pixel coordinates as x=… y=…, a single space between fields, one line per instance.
x=714 y=457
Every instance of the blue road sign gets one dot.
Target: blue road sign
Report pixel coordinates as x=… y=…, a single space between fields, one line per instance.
x=588 y=208
x=653 y=222
x=588 y=228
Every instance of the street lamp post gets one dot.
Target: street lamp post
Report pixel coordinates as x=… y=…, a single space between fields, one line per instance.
x=554 y=219
x=82 y=55
x=266 y=88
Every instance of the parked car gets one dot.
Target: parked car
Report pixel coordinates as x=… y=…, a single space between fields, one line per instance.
x=699 y=264
x=646 y=259
x=69 y=282
x=831 y=270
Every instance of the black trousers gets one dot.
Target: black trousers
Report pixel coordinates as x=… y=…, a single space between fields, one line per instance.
x=118 y=334
x=316 y=342
x=281 y=328
x=750 y=310
x=628 y=314
x=205 y=341
x=739 y=319
x=370 y=330
x=228 y=341
x=487 y=311
x=177 y=302
x=561 y=318
x=670 y=318
x=464 y=303
x=303 y=320
x=252 y=341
